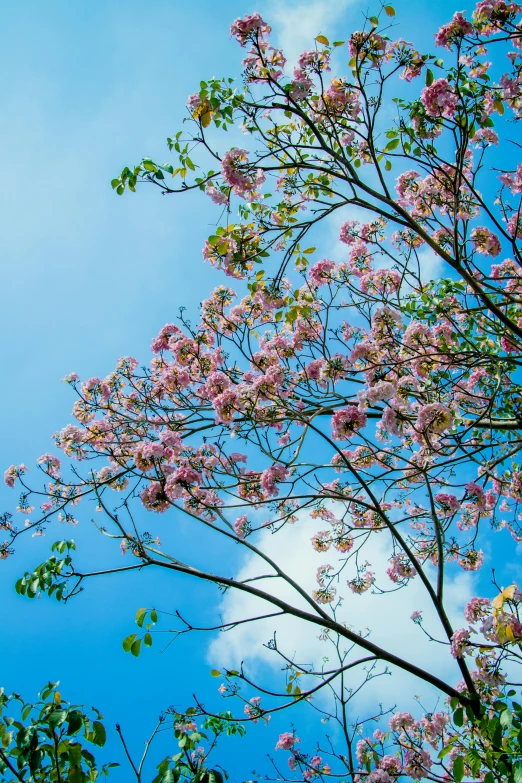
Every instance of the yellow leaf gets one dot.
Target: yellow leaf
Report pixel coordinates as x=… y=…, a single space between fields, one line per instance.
x=499 y=106
x=322 y=39
x=390 y=10
x=215 y=673
x=57 y=697
x=204 y=113
x=505 y=595
x=206 y=119
x=509 y=634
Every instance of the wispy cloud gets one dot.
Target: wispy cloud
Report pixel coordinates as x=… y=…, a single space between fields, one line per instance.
x=388 y=616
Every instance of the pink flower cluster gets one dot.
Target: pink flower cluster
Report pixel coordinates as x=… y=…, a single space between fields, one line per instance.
x=244 y=29
x=239 y=176
x=485 y=241
x=439 y=99
x=347 y=422
x=451 y=33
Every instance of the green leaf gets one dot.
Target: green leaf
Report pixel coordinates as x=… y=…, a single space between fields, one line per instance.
x=392 y=145
x=374 y=21
x=322 y=39
x=147 y=640
x=128 y=642
x=458 y=769
x=390 y=10
x=75 y=753
x=74 y=722
x=99 y=735
x=215 y=673
x=429 y=77
x=517 y=772
x=56 y=718
x=140 y=617
x=388 y=165
x=154 y=616
x=458 y=717
x=135 y=648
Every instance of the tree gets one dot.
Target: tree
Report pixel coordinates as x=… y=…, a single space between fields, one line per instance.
x=361 y=393
x=53 y=740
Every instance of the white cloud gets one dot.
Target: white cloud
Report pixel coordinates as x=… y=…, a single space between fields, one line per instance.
x=431 y=265
x=388 y=616
x=296 y=24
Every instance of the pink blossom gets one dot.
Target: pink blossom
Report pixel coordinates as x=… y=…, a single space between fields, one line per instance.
x=400 y=569
x=12 y=473
x=460 y=642
x=453 y=31
x=322 y=541
x=391 y=764
x=417 y=763
x=434 y=417
x=324 y=595
x=485 y=242
x=286 y=741
x=378 y=776
x=514 y=226
x=346 y=139
x=243 y=29
x=193 y=102
x=241 y=526
x=161 y=342
x=347 y=421
x=217 y=196
x=401 y=720
x=272 y=476
x=448 y=503
x=439 y=99
x=476 y=609
x=362 y=750
x=51 y=464
x=361 y=583
x=472 y=560
x=513 y=180
x=236 y=172
x=408 y=187
x=485 y=136
x=348 y=233
x=154 y=498
x=322 y=272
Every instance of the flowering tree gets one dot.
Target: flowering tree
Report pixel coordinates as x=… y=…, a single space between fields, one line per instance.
x=361 y=393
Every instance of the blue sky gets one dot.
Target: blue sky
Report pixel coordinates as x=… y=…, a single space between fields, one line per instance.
x=88 y=277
